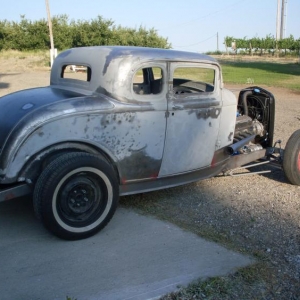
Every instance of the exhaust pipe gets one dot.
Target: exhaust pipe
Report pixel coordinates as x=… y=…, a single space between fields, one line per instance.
x=234 y=147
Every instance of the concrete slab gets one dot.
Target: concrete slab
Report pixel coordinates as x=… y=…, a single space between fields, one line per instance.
x=134 y=257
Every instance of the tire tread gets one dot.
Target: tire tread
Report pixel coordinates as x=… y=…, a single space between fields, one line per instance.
x=290 y=158
x=44 y=183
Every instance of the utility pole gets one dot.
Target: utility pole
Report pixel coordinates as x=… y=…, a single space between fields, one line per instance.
x=52 y=51
x=278 y=26
x=217 y=41
x=283 y=19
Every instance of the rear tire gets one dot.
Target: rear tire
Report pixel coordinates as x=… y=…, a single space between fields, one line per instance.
x=76 y=195
x=291 y=159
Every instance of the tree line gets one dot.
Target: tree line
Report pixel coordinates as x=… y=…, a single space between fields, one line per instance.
x=269 y=44
x=34 y=35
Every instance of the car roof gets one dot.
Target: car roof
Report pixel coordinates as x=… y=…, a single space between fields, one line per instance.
x=112 y=66
x=145 y=53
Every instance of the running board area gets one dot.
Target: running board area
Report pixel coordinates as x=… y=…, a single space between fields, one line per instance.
x=15 y=191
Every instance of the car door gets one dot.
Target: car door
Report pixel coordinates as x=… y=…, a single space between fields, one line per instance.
x=193 y=118
x=140 y=143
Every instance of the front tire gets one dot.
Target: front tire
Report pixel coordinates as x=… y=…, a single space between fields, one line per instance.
x=291 y=159
x=76 y=195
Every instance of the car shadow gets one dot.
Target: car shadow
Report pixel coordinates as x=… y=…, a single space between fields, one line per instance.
x=16 y=215
x=5 y=85
x=272 y=172
x=126 y=260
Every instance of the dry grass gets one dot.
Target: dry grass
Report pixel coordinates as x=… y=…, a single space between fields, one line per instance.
x=17 y=61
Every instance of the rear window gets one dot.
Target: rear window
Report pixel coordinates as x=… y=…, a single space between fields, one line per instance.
x=76 y=72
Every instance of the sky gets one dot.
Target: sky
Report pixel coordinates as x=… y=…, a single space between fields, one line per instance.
x=189 y=25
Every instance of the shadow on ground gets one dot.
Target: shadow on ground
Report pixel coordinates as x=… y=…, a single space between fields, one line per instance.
x=134 y=257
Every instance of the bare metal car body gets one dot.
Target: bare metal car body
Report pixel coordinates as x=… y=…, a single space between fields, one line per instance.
x=151 y=128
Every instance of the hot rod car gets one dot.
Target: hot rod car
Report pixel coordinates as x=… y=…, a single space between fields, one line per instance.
x=132 y=120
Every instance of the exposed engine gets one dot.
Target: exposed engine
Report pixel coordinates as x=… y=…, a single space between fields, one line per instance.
x=246 y=127
x=255 y=116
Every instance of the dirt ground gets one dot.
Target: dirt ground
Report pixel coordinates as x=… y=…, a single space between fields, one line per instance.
x=258 y=214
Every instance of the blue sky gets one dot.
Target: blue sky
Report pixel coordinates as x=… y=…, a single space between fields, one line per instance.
x=190 y=25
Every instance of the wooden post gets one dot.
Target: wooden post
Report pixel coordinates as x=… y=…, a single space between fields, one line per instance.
x=52 y=51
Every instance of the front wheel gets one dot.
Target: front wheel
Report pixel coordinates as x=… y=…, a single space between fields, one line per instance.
x=291 y=159
x=76 y=195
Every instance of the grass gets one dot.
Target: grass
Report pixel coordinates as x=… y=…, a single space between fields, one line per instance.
x=285 y=75
x=250 y=280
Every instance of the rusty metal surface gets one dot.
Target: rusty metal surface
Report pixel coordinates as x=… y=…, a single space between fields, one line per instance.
x=145 y=137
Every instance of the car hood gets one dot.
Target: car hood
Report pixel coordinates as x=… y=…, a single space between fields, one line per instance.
x=15 y=106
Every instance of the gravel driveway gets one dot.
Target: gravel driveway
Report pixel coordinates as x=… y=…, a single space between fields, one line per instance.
x=257 y=214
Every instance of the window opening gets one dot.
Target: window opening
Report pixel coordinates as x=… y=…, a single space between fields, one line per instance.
x=148 y=81
x=187 y=80
x=76 y=72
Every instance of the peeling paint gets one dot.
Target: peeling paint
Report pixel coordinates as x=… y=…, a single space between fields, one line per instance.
x=208 y=113
x=141 y=135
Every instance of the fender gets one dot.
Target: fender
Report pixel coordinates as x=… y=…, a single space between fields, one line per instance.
x=41 y=128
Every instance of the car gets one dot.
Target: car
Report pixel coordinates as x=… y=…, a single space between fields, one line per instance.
x=132 y=120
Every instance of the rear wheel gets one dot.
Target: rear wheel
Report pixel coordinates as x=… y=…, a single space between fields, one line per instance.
x=76 y=195
x=291 y=160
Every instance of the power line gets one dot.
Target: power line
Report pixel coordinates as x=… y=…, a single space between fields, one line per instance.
x=198 y=42
x=205 y=16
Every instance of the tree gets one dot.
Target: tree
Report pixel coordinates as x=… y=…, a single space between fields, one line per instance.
x=32 y=35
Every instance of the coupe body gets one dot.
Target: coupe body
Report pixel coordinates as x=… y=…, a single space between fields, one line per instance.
x=122 y=120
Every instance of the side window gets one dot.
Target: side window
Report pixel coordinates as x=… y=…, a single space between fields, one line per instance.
x=148 y=81
x=82 y=73
x=188 y=80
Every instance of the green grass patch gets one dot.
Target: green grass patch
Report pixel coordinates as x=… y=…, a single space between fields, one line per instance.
x=262 y=73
